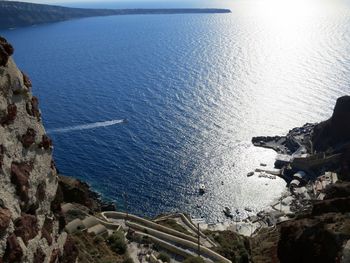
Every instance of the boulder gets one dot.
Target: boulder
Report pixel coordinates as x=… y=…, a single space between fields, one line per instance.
x=28 y=138
x=46 y=142
x=39 y=256
x=26 y=227
x=13 y=251
x=20 y=173
x=41 y=191
x=32 y=108
x=76 y=191
x=10 y=116
x=47 y=230
x=5 y=218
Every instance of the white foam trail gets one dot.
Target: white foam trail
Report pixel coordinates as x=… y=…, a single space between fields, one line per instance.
x=86 y=126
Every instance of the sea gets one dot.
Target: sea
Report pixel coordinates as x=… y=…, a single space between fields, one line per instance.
x=145 y=108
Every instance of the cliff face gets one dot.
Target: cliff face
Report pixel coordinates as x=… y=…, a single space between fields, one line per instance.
x=336 y=130
x=323 y=233
x=29 y=225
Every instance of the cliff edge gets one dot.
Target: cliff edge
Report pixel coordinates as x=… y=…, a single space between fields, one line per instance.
x=335 y=131
x=30 y=230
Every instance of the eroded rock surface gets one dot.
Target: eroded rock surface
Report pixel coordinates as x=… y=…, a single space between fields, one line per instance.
x=28 y=180
x=5 y=218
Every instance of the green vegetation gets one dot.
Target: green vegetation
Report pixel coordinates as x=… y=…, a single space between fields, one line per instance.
x=164 y=257
x=194 y=260
x=117 y=243
x=128 y=260
x=94 y=249
x=232 y=246
x=171 y=223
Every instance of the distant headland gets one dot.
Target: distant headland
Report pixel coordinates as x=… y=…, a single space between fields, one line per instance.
x=19 y=14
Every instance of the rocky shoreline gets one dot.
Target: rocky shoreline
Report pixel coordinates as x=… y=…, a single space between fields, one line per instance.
x=314 y=226
x=311 y=223
x=72 y=190
x=304 y=225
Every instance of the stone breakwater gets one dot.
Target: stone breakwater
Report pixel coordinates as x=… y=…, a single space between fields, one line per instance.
x=30 y=225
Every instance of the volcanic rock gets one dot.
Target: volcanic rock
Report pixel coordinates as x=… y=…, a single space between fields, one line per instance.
x=10 y=116
x=336 y=130
x=5 y=218
x=46 y=142
x=20 y=173
x=70 y=251
x=26 y=227
x=28 y=138
x=13 y=252
x=39 y=256
x=47 y=230
x=54 y=255
x=6 y=50
x=26 y=80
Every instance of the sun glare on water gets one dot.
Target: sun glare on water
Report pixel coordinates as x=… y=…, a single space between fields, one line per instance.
x=288 y=11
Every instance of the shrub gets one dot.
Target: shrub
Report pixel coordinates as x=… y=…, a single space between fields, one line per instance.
x=194 y=260
x=98 y=239
x=164 y=257
x=128 y=260
x=117 y=243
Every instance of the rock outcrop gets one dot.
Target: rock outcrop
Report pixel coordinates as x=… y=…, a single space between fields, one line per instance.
x=29 y=220
x=336 y=130
x=71 y=190
x=313 y=239
x=320 y=233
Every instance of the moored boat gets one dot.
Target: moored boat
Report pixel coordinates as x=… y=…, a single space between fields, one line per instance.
x=227 y=212
x=201 y=188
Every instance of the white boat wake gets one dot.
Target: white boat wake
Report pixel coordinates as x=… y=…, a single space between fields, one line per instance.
x=86 y=126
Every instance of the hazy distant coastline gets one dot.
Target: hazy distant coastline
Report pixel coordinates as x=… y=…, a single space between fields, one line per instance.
x=19 y=14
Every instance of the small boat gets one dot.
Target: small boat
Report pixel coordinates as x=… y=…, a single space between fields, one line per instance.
x=248 y=209
x=250 y=174
x=227 y=212
x=201 y=189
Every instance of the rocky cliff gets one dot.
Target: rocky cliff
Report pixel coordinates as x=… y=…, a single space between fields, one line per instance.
x=321 y=234
x=29 y=219
x=335 y=131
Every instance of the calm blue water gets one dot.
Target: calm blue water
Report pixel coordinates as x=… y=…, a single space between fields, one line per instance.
x=194 y=88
